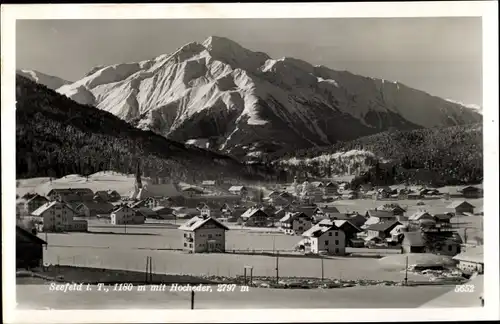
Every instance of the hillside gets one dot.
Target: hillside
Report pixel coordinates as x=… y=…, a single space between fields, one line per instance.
x=452 y=155
x=56 y=136
x=245 y=103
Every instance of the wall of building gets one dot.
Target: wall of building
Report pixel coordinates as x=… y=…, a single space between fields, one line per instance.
x=56 y=218
x=336 y=243
x=206 y=233
x=470 y=266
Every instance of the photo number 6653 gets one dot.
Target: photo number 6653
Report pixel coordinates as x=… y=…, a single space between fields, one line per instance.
x=464 y=288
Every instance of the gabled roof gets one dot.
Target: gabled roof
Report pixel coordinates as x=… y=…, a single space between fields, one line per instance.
x=383 y=226
x=380 y=214
x=294 y=215
x=197 y=222
x=342 y=224
x=318 y=230
x=237 y=188
x=414 y=239
x=469 y=188
x=119 y=208
x=326 y=209
x=317 y=184
x=420 y=215
x=146 y=211
x=21 y=232
x=71 y=191
x=459 y=203
x=340 y=216
x=472 y=254
x=97 y=206
x=390 y=207
x=40 y=210
x=250 y=212
x=445 y=216
x=160 y=209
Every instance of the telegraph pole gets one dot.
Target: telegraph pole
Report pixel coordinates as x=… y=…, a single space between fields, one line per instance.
x=277 y=267
x=406 y=272
x=322 y=269
x=192 y=299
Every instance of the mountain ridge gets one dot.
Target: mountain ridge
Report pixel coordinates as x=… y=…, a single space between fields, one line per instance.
x=245 y=103
x=56 y=136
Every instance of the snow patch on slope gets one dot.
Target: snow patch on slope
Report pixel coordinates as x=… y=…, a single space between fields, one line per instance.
x=51 y=82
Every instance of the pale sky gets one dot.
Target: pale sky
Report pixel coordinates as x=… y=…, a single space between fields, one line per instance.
x=442 y=56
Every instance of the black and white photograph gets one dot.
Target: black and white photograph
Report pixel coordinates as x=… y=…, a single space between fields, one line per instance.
x=245 y=163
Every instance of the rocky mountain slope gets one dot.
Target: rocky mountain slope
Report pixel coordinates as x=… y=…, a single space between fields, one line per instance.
x=56 y=136
x=51 y=82
x=244 y=103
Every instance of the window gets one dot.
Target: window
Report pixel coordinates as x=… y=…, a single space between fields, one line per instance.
x=300 y=228
x=336 y=233
x=185 y=235
x=336 y=242
x=326 y=242
x=190 y=245
x=185 y=244
x=330 y=234
x=450 y=248
x=336 y=250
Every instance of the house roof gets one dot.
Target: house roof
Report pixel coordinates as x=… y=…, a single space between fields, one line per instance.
x=250 y=212
x=383 y=226
x=459 y=203
x=40 y=210
x=331 y=184
x=414 y=238
x=71 y=191
x=162 y=209
x=317 y=183
x=420 y=215
x=237 y=188
x=380 y=213
x=340 y=216
x=98 y=206
x=390 y=207
x=290 y=216
x=469 y=188
x=443 y=216
x=192 y=189
x=472 y=254
x=196 y=222
x=326 y=209
x=318 y=230
x=21 y=232
x=146 y=211
x=309 y=211
x=342 y=224
x=209 y=183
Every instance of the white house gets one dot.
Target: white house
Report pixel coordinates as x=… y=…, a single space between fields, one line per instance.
x=204 y=234
x=238 y=190
x=324 y=237
x=295 y=223
x=57 y=217
x=471 y=260
x=126 y=215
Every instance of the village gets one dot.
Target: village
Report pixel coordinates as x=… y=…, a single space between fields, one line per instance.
x=304 y=219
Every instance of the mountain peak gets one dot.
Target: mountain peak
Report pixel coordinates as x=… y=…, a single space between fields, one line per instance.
x=220 y=43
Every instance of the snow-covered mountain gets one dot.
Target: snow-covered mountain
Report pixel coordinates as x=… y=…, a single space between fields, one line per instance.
x=51 y=82
x=244 y=102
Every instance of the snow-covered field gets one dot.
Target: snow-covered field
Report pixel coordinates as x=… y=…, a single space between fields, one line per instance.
x=176 y=262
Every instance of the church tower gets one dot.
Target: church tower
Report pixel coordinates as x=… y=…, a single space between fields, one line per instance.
x=138 y=181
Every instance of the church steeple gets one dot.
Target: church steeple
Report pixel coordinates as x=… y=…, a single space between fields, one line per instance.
x=138 y=181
